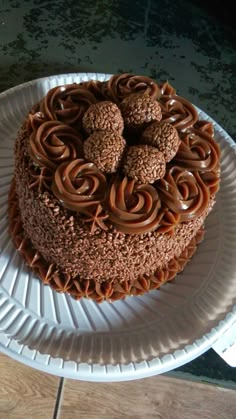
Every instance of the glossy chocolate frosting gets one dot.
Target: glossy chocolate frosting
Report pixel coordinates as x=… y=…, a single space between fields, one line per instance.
x=78 y=184
x=184 y=193
x=133 y=208
x=108 y=291
x=53 y=143
x=66 y=103
x=192 y=176
x=178 y=111
x=198 y=152
x=94 y=227
x=119 y=86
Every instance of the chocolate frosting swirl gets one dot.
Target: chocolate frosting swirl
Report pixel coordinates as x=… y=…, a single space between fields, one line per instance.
x=178 y=111
x=198 y=152
x=133 y=208
x=184 y=193
x=79 y=288
x=120 y=86
x=95 y=87
x=78 y=185
x=167 y=89
x=212 y=180
x=54 y=143
x=205 y=126
x=34 y=120
x=67 y=103
x=192 y=176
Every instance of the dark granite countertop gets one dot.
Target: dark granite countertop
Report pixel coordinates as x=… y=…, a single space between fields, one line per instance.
x=188 y=43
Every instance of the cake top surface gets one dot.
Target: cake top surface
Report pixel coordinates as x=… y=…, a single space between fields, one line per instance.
x=127 y=151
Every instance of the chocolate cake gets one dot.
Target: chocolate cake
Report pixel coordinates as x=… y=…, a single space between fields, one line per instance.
x=113 y=182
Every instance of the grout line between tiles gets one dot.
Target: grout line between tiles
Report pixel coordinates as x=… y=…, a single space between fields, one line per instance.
x=59 y=398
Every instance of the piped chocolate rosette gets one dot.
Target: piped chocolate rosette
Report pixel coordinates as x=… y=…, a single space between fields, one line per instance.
x=133 y=208
x=78 y=185
x=62 y=103
x=120 y=86
x=112 y=185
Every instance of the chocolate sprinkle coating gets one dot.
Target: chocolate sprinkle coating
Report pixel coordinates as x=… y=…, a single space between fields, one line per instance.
x=139 y=110
x=65 y=240
x=105 y=150
x=144 y=163
x=164 y=137
x=105 y=116
x=65 y=283
x=87 y=254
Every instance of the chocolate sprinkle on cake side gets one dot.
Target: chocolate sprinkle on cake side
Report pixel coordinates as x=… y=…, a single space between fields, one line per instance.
x=97 y=217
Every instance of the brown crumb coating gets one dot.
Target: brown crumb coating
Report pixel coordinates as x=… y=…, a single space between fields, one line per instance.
x=164 y=137
x=105 y=150
x=144 y=163
x=65 y=240
x=139 y=110
x=77 y=288
x=105 y=116
x=88 y=252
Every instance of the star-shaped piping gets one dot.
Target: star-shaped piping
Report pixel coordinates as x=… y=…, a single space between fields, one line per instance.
x=96 y=218
x=41 y=179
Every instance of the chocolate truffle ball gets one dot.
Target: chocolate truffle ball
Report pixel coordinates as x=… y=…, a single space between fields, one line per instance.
x=144 y=163
x=139 y=110
x=105 y=116
x=105 y=150
x=164 y=137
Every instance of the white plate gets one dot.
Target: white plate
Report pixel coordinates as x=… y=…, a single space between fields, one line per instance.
x=125 y=340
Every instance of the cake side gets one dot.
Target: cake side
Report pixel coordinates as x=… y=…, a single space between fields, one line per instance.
x=78 y=288
x=64 y=239
x=114 y=179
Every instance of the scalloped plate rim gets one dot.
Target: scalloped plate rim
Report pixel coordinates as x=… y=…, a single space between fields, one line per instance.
x=177 y=358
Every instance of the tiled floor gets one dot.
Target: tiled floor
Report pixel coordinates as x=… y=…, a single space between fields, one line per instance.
x=28 y=393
